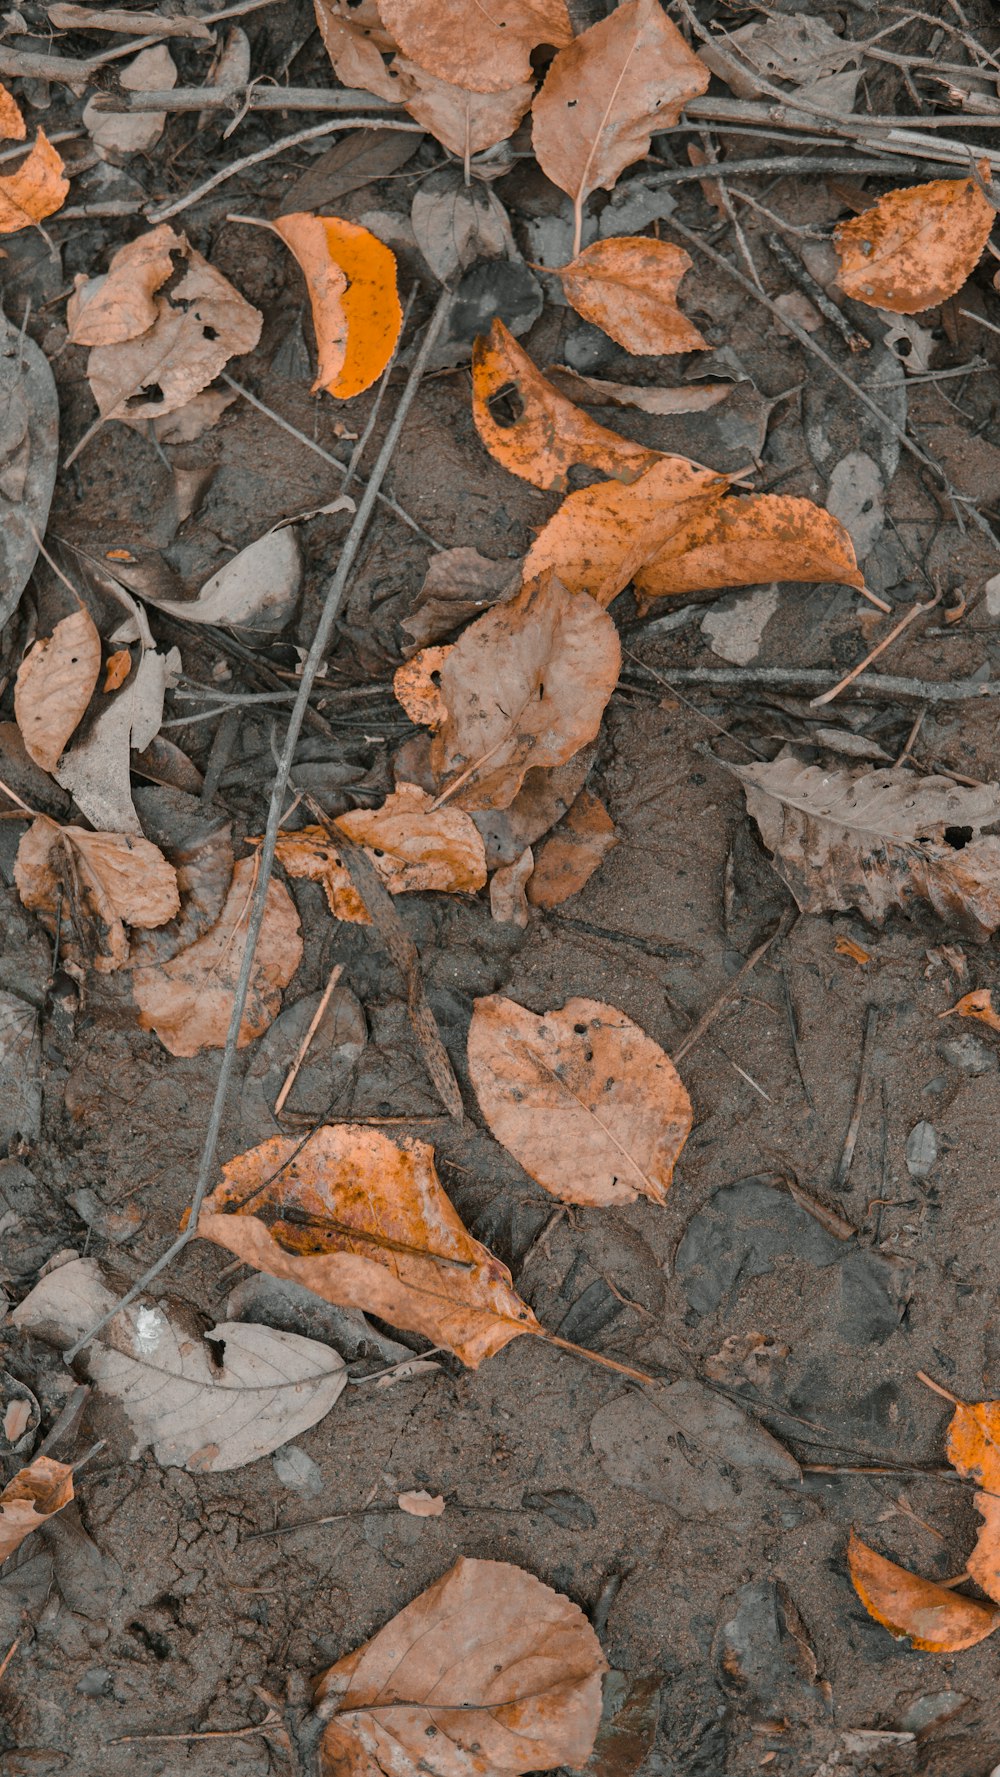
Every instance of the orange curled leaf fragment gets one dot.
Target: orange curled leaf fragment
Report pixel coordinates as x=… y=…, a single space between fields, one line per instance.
x=628 y=286
x=36 y=190
x=916 y=246
x=34 y=1495
x=977 y=1004
x=744 y=542
x=933 y=1617
x=351 y=280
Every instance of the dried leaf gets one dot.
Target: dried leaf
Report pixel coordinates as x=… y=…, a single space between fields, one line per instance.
x=587 y=1103
x=506 y=1670
x=916 y=246
x=29 y=440
x=875 y=840
x=354 y=40
x=570 y=855
x=255 y=592
x=20 y=1074
x=116 y=671
x=36 y=190
x=412 y=846
x=33 y=1496
x=602 y=536
x=115 y=879
x=359 y=158
x=593 y=391
x=746 y=542
x=628 y=286
x=120 y=305
x=455 y=224
x=188 y=1001
x=974 y=1442
x=417 y=686
x=12 y=125
x=542 y=800
x=55 y=683
x=464 y=122
x=605 y=95
x=195 y=1411
x=508 y=901
x=856 y=952
x=933 y=1617
x=363 y=1222
x=458 y=584
x=978 y=1004
x=96 y=770
x=549 y=436
x=461 y=41
x=153 y=70
x=421 y=1504
x=525 y=685
x=351 y=280
x=197 y=843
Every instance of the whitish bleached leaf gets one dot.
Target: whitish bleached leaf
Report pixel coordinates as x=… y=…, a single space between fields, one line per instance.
x=96 y=770
x=256 y=591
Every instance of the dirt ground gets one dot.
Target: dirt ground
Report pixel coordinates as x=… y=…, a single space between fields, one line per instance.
x=708 y=1550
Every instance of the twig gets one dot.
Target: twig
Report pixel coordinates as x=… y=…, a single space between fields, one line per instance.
x=792 y=264
x=880 y=648
x=73 y=73
x=936 y=1388
x=851 y=1138
x=875 y=687
x=857 y=166
x=333 y=600
x=303 y=1049
x=251 y=98
x=707 y=1018
x=595 y=1357
x=9 y=1655
x=876 y=134
x=793 y=1031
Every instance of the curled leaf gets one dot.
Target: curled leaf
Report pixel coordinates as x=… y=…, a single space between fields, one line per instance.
x=34 y=1495
x=743 y=542
x=486 y=49
x=256 y=591
x=351 y=279
x=96 y=770
x=978 y=1004
x=628 y=286
x=121 y=305
x=933 y=1617
x=37 y=189
x=55 y=682
x=354 y=39
x=916 y=246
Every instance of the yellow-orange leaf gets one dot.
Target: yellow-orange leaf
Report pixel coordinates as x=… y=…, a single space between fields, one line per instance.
x=33 y=1496
x=484 y=48
x=549 y=435
x=978 y=1004
x=351 y=279
x=974 y=1442
x=628 y=286
x=743 y=542
x=857 y=953
x=12 y=125
x=37 y=189
x=916 y=246
x=933 y=1617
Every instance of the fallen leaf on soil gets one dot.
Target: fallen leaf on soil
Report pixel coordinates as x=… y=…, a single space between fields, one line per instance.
x=96 y=771
x=587 y=1103
x=412 y=846
x=687 y=1447
x=457 y=224
x=974 y=1450
x=875 y=840
x=116 y=670
x=571 y=854
x=506 y=1670
x=29 y=441
x=417 y=686
x=256 y=591
x=113 y=879
x=188 y=1001
x=421 y=1504
x=196 y=1411
x=746 y=542
x=354 y=39
x=606 y=94
x=34 y=1494
x=55 y=682
x=601 y=536
x=153 y=70
x=12 y=125
x=358 y=158
x=464 y=122
x=458 y=584
x=542 y=800
x=508 y=901
x=933 y=1617
x=363 y=1222
x=36 y=190
x=525 y=685
x=549 y=436
x=978 y=1004
x=856 y=952
x=197 y=843
x=916 y=246
x=628 y=286
x=594 y=392
x=121 y=305
x=485 y=49
x=351 y=280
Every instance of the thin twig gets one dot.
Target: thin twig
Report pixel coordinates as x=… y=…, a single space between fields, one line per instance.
x=333 y=601
x=707 y=1018
x=236 y=99
x=874 y=687
x=851 y=1138
x=9 y=1655
x=855 y=166
x=303 y=1049
x=856 y=671
x=814 y=291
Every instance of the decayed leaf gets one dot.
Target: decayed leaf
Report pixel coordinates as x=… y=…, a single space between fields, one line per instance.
x=874 y=840
x=916 y=246
x=628 y=286
x=55 y=683
x=96 y=769
x=543 y=799
x=115 y=879
x=550 y=435
x=455 y=224
x=197 y=843
x=607 y=93
x=417 y=686
x=585 y=1100
x=505 y=1670
x=421 y=1504
x=12 y=125
x=525 y=685
x=601 y=536
x=933 y=1617
x=458 y=584
x=153 y=70
x=978 y=1004
x=464 y=122
x=412 y=845
x=508 y=901
x=256 y=591
x=188 y=1001
x=744 y=542
x=354 y=39
x=363 y=1222
x=487 y=49
x=594 y=391
x=351 y=280
x=29 y=440
x=120 y=305
x=36 y=190
x=572 y=853
x=31 y=1498
x=195 y=1411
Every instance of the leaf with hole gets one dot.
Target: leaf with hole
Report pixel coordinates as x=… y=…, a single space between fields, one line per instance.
x=34 y=1495
x=484 y=48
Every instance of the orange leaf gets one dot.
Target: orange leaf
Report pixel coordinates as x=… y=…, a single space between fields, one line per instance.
x=487 y=49
x=55 y=681
x=117 y=669
x=856 y=952
x=933 y=1617
x=983 y=1564
x=978 y=1004
x=12 y=125
x=463 y=122
x=363 y=1222
x=974 y=1450
x=744 y=542
x=417 y=685
x=37 y=189
x=916 y=246
x=570 y=855
x=550 y=435
x=421 y=1504
x=601 y=536
x=35 y=1494
x=351 y=279
x=628 y=286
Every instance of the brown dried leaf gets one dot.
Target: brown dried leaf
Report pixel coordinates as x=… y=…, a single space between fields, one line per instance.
x=458 y=584
x=33 y=1496
x=354 y=39
x=593 y=391
x=421 y=1504
x=916 y=246
x=55 y=683
x=508 y=901
x=153 y=70
x=506 y=1670
x=607 y=93
x=120 y=305
x=115 y=879
x=351 y=279
x=96 y=769
x=36 y=190
x=12 y=125
x=549 y=436
x=363 y=1222
x=978 y=1004
x=744 y=542
x=464 y=122
x=933 y=1617
x=543 y=799
x=587 y=1103
x=117 y=668
x=525 y=685
x=197 y=842
x=188 y=1001
x=485 y=49
x=570 y=855
x=628 y=286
